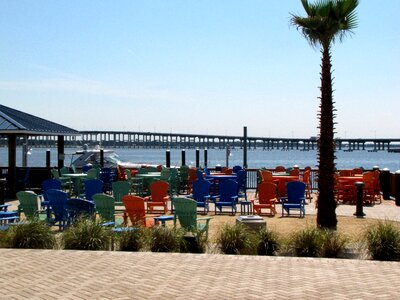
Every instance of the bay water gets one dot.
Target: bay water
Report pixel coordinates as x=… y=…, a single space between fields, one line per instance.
x=256 y=158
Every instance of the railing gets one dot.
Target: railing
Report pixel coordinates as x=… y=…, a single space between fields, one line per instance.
x=389 y=182
x=252 y=178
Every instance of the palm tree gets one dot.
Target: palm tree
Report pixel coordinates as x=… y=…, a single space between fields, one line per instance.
x=326 y=22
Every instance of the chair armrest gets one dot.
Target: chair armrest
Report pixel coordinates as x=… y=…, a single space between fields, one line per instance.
x=215 y=197
x=204 y=218
x=207 y=219
x=5 y=206
x=147 y=198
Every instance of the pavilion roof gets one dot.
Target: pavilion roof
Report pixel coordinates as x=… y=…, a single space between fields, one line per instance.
x=13 y=121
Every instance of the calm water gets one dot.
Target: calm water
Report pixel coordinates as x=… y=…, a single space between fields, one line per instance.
x=255 y=158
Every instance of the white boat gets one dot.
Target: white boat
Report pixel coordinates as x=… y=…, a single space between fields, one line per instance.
x=88 y=156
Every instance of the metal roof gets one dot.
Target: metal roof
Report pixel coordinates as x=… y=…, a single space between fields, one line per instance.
x=13 y=121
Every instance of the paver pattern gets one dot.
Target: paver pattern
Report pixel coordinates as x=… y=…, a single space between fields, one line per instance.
x=61 y=274
x=46 y=274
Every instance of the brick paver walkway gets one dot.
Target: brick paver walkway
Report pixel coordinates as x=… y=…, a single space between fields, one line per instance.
x=58 y=274
x=46 y=274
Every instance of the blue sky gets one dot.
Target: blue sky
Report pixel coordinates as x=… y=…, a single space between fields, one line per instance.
x=195 y=66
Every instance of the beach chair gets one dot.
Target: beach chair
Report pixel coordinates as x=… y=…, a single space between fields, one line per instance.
x=107 y=175
x=135 y=211
x=57 y=201
x=105 y=207
x=119 y=189
x=186 y=214
x=227 y=196
x=28 y=204
x=266 y=198
x=79 y=208
x=295 y=199
x=242 y=184
x=201 y=194
x=92 y=186
x=158 y=198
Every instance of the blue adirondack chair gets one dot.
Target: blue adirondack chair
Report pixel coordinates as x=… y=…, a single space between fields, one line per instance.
x=23 y=183
x=107 y=176
x=57 y=201
x=295 y=198
x=92 y=186
x=77 y=207
x=201 y=193
x=242 y=184
x=227 y=196
x=236 y=169
x=48 y=184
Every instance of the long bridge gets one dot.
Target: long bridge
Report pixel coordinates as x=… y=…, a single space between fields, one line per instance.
x=135 y=139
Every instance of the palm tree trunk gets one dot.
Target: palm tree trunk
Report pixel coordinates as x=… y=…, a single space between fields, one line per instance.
x=326 y=215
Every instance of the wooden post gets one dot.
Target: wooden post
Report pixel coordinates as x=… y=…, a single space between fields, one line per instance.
x=48 y=160
x=183 y=157
x=102 y=158
x=60 y=150
x=245 y=147
x=205 y=157
x=168 y=158
x=197 y=158
x=12 y=165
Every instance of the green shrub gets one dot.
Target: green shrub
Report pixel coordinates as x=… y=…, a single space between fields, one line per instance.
x=383 y=241
x=4 y=239
x=163 y=239
x=34 y=234
x=267 y=242
x=307 y=242
x=86 y=234
x=333 y=243
x=235 y=239
x=132 y=240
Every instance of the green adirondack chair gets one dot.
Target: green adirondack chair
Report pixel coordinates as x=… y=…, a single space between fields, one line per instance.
x=28 y=204
x=119 y=189
x=186 y=214
x=66 y=182
x=105 y=207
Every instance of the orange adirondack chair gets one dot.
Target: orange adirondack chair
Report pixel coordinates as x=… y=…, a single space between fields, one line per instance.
x=135 y=211
x=369 y=188
x=266 y=198
x=158 y=198
x=192 y=178
x=307 y=181
x=280 y=169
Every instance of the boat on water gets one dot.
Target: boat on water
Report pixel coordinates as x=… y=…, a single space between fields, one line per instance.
x=86 y=156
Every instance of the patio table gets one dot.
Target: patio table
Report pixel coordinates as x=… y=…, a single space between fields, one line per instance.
x=148 y=178
x=163 y=219
x=283 y=179
x=76 y=181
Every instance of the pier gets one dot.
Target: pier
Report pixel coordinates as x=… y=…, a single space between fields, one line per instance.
x=135 y=139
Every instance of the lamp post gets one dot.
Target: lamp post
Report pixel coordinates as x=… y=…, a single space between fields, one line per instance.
x=228 y=153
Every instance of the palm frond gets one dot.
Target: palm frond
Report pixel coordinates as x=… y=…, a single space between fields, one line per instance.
x=327 y=20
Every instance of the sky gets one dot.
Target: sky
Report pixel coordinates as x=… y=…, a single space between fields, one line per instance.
x=196 y=66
